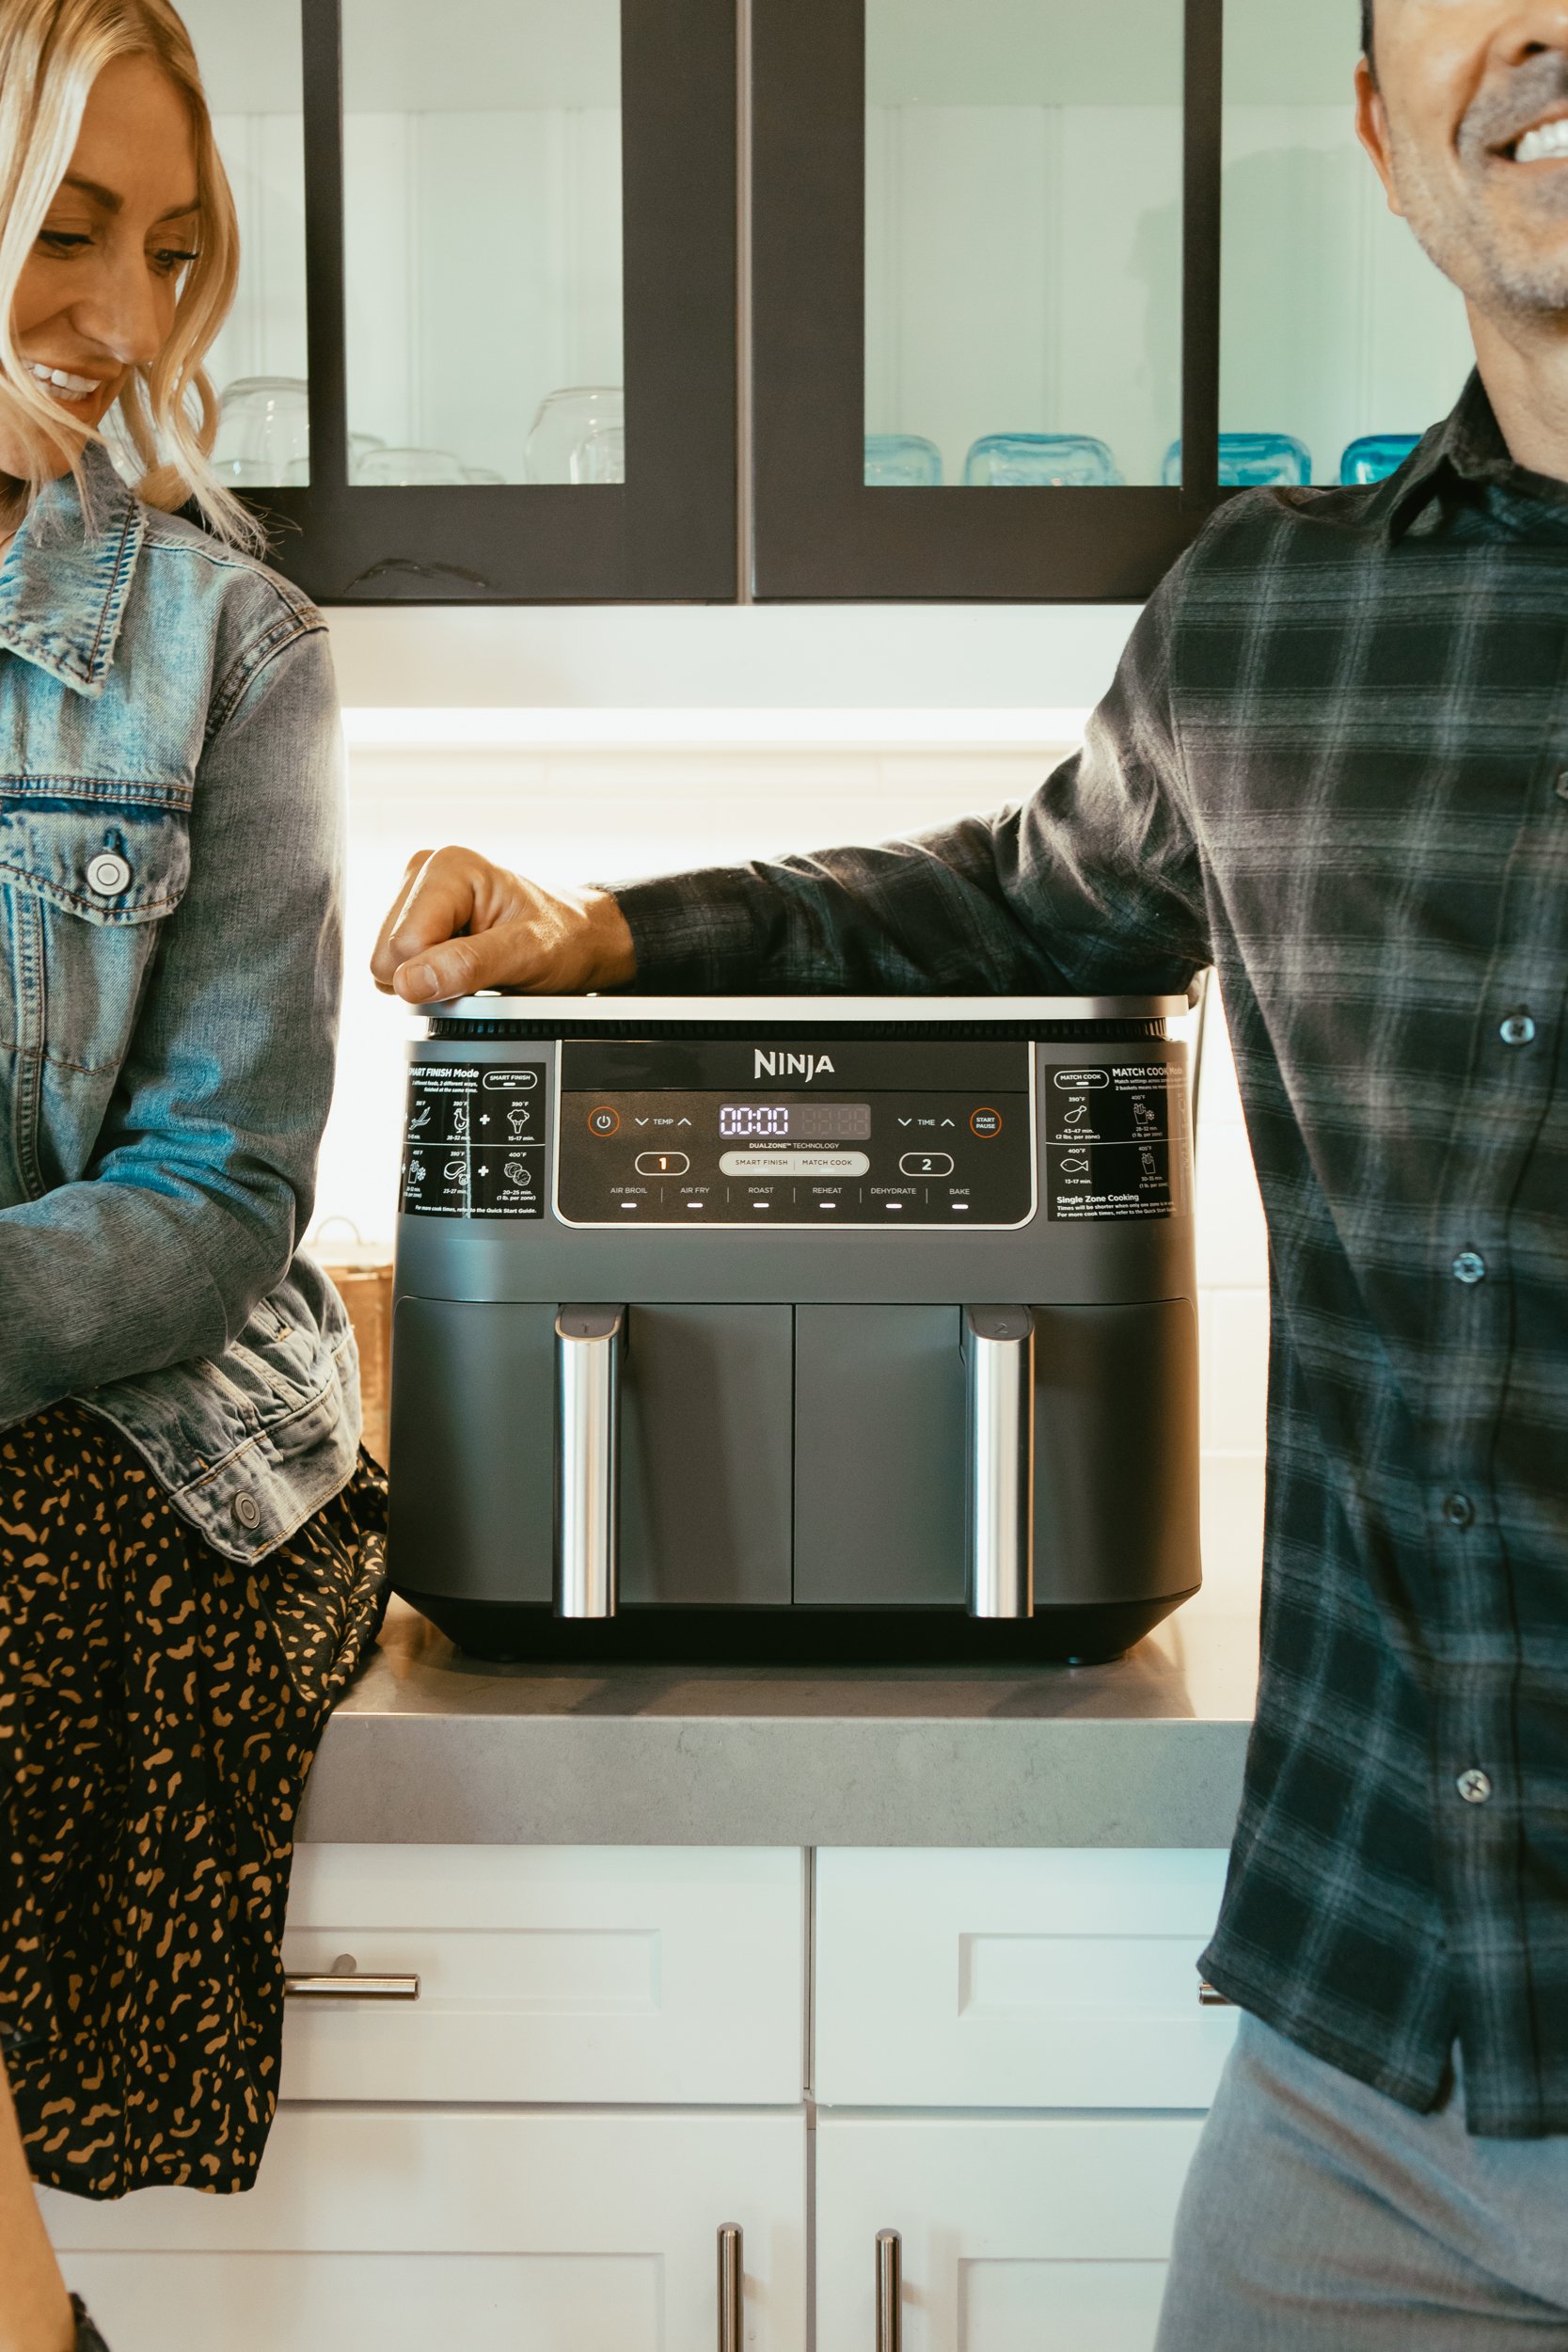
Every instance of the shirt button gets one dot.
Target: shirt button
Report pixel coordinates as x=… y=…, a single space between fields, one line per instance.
x=1518 y=1029
x=108 y=877
x=1562 y=787
x=248 y=1511
x=1458 y=1511
x=1474 y=1786
x=1469 y=1266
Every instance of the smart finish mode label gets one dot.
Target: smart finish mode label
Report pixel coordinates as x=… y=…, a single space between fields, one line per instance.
x=1116 y=1141
x=474 y=1143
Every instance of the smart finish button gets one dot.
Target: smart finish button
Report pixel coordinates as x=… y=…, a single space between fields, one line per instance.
x=984 y=1123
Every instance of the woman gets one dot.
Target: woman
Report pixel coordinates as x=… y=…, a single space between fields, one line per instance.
x=190 y=1545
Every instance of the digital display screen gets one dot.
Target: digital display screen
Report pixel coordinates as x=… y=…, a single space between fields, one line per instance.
x=798 y=1122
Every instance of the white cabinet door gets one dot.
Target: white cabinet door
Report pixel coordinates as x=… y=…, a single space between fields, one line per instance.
x=1019 y=2233
x=404 y=2232
x=1016 y=1978
x=569 y=1975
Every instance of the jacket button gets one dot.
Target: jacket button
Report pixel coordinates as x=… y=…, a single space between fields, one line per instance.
x=1474 y=1786
x=248 y=1511
x=108 y=877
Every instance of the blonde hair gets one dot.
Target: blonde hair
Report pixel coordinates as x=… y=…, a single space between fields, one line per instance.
x=167 y=416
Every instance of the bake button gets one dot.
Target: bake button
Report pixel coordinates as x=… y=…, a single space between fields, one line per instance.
x=984 y=1123
x=662 y=1164
x=604 y=1122
x=925 y=1163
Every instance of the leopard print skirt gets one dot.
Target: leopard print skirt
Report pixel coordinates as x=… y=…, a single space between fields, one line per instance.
x=160 y=1706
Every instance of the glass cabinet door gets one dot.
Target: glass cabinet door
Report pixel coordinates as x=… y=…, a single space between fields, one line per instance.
x=521 y=304
x=1340 y=340
x=981 y=270
x=250 y=53
x=1023 y=174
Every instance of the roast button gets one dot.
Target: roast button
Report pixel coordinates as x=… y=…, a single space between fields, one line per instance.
x=109 y=876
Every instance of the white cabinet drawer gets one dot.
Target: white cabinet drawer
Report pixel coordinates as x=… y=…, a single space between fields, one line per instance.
x=551 y=1975
x=1011 y=1979
x=408 y=2229
x=1016 y=2233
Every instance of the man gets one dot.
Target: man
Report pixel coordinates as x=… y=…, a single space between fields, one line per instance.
x=1335 y=764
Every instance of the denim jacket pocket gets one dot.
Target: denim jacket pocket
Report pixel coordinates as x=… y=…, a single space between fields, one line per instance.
x=84 y=884
x=101 y=874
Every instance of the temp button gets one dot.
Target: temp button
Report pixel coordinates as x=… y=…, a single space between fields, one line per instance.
x=662 y=1164
x=925 y=1163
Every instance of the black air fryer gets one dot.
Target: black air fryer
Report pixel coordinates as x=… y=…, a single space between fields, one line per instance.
x=830 y=1328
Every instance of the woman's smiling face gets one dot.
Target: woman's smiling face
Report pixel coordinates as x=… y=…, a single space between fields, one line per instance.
x=96 y=296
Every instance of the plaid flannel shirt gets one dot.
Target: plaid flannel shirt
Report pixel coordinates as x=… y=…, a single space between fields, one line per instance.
x=1334 y=765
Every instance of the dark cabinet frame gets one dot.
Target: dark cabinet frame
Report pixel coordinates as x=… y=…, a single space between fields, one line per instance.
x=670 y=531
x=819 y=530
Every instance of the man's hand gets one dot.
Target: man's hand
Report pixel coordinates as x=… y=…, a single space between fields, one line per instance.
x=459 y=923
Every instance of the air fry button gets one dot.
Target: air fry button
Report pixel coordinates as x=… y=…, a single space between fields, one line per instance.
x=604 y=1122
x=984 y=1123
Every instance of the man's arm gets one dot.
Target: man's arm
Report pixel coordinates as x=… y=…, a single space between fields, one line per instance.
x=1095 y=886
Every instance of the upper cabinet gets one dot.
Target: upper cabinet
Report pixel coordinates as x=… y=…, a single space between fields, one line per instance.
x=1030 y=287
x=485 y=342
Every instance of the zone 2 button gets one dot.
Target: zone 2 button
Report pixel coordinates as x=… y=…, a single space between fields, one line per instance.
x=984 y=1123
x=604 y=1122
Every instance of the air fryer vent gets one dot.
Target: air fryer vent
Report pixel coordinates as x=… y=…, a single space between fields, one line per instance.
x=832 y=1032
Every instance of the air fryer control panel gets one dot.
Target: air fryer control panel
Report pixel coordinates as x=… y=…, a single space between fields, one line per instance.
x=867 y=1133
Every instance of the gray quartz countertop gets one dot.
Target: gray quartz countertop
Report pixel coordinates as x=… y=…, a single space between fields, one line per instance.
x=430 y=1747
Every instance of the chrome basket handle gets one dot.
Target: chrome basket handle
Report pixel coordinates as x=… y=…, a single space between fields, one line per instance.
x=588 y=1343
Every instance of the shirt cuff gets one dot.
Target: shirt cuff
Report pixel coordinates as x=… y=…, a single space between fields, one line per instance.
x=694 y=934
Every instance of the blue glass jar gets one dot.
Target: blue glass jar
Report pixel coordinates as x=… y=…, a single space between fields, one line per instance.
x=902 y=461
x=1012 y=461
x=1376 y=455
x=1251 y=461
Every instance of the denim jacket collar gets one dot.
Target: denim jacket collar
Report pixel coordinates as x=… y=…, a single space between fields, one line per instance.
x=63 y=590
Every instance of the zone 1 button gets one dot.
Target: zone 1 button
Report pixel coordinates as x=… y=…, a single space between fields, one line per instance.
x=662 y=1164
x=604 y=1122
x=984 y=1123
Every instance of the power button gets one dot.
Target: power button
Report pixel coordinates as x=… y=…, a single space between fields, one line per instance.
x=604 y=1121
x=984 y=1123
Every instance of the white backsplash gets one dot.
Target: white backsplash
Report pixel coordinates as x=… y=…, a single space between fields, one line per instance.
x=605 y=814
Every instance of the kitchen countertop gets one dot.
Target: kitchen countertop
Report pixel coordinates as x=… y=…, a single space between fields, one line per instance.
x=430 y=1747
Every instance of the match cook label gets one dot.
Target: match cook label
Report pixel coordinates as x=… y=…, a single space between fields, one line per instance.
x=1116 y=1141
x=474 y=1145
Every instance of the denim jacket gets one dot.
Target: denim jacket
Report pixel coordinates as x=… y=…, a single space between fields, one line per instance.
x=170 y=855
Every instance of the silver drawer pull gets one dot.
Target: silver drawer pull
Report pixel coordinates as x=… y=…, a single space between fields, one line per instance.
x=998 y=1359
x=732 y=2288
x=588 y=1346
x=343 y=1981
x=1210 y=1997
x=889 y=2290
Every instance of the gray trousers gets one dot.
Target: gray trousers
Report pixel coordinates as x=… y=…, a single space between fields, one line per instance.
x=1321 y=2217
